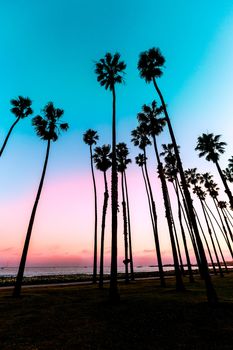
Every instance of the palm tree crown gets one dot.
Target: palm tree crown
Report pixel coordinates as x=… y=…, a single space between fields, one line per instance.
x=140 y=159
x=109 y=70
x=140 y=136
x=192 y=177
x=21 y=107
x=122 y=153
x=90 y=137
x=209 y=146
x=150 y=63
x=49 y=126
x=101 y=158
x=150 y=115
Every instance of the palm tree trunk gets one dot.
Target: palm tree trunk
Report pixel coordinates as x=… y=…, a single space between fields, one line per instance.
x=215 y=235
x=105 y=206
x=227 y=189
x=211 y=238
x=126 y=260
x=223 y=226
x=156 y=236
x=8 y=135
x=94 y=279
x=207 y=244
x=176 y=240
x=149 y=199
x=129 y=230
x=228 y=217
x=179 y=282
x=191 y=279
x=189 y=226
x=211 y=294
x=114 y=294
x=19 y=278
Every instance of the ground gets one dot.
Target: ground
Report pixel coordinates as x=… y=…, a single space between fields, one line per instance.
x=147 y=317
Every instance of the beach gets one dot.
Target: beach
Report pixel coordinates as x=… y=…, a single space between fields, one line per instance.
x=146 y=317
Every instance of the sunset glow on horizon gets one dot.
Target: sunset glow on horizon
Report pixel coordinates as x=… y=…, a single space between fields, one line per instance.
x=55 y=62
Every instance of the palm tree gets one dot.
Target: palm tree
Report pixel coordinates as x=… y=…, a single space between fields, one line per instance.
x=150 y=116
x=109 y=72
x=122 y=162
x=228 y=172
x=21 y=109
x=140 y=160
x=149 y=66
x=227 y=216
x=213 y=190
x=140 y=139
x=171 y=174
x=201 y=194
x=209 y=146
x=90 y=137
x=48 y=129
x=129 y=228
x=192 y=179
x=103 y=162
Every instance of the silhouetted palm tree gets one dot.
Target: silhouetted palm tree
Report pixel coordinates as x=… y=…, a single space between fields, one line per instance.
x=171 y=174
x=213 y=190
x=228 y=172
x=140 y=139
x=223 y=206
x=21 y=109
x=103 y=162
x=90 y=137
x=192 y=179
x=122 y=153
x=149 y=66
x=48 y=129
x=202 y=195
x=140 y=160
x=109 y=72
x=123 y=161
x=209 y=146
x=150 y=116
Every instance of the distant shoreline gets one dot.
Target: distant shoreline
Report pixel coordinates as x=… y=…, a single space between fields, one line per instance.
x=70 y=278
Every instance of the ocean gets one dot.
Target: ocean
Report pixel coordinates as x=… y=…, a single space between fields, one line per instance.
x=69 y=270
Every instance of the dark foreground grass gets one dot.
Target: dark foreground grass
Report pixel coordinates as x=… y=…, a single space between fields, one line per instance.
x=147 y=317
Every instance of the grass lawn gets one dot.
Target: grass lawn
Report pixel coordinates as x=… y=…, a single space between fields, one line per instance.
x=147 y=317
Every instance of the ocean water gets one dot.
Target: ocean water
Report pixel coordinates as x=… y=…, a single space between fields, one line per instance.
x=69 y=270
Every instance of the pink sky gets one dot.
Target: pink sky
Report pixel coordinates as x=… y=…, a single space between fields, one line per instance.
x=63 y=229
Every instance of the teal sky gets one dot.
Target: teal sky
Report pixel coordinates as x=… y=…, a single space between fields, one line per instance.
x=48 y=53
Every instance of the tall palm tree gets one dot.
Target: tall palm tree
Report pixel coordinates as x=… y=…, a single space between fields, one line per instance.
x=48 y=128
x=123 y=161
x=140 y=160
x=150 y=68
x=227 y=216
x=201 y=194
x=21 y=109
x=110 y=71
x=90 y=138
x=171 y=174
x=192 y=179
x=140 y=138
x=151 y=117
x=103 y=162
x=213 y=190
x=228 y=172
x=210 y=146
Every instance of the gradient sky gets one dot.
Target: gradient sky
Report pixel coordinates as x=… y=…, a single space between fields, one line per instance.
x=48 y=52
